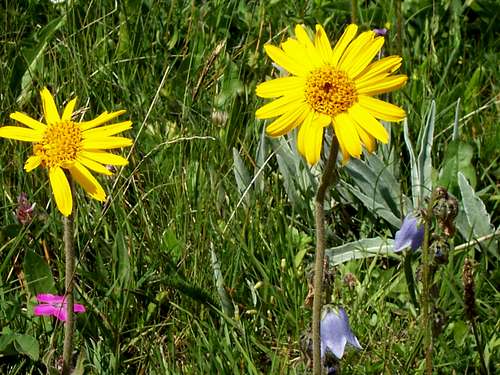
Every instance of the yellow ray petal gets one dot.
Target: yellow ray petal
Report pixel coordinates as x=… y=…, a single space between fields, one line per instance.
x=345 y=154
x=21 y=134
x=366 y=138
x=288 y=121
x=61 y=190
x=28 y=121
x=343 y=42
x=87 y=181
x=285 y=61
x=380 y=109
x=32 y=162
x=68 y=110
x=280 y=87
x=302 y=36
x=94 y=166
x=104 y=157
x=364 y=57
x=106 y=131
x=361 y=43
x=49 y=107
x=345 y=130
x=379 y=86
x=364 y=119
x=310 y=138
x=105 y=143
x=382 y=67
x=281 y=105
x=308 y=57
x=101 y=119
x=323 y=45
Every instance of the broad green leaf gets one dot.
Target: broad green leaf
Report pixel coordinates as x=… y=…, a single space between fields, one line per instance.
x=240 y=173
x=121 y=253
x=415 y=178
x=476 y=213
x=26 y=344
x=365 y=248
x=38 y=275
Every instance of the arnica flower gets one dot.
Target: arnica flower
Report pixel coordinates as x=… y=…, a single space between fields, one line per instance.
x=335 y=332
x=53 y=305
x=62 y=144
x=331 y=86
x=411 y=234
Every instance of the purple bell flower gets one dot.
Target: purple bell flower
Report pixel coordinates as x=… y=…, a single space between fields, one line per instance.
x=411 y=234
x=335 y=332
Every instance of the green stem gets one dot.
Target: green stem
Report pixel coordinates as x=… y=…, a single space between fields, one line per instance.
x=354 y=11
x=328 y=177
x=426 y=326
x=399 y=28
x=69 y=250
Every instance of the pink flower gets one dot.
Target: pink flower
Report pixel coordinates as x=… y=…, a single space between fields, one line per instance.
x=51 y=304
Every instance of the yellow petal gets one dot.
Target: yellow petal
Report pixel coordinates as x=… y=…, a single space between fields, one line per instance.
x=106 y=131
x=288 y=121
x=343 y=42
x=87 y=181
x=364 y=57
x=61 y=190
x=310 y=138
x=280 y=87
x=49 y=107
x=285 y=61
x=68 y=110
x=345 y=129
x=345 y=154
x=382 y=67
x=94 y=166
x=308 y=57
x=101 y=119
x=105 y=143
x=366 y=138
x=380 y=109
x=364 y=119
x=377 y=86
x=281 y=105
x=28 y=121
x=303 y=37
x=104 y=157
x=32 y=162
x=21 y=134
x=357 y=46
x=323 y=45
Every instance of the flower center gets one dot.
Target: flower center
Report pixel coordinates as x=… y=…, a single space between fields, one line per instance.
x=60 y=144
x=330 y=91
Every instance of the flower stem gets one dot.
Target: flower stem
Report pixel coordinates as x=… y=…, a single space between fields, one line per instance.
x=426 y=290
x=354 y=11
x=327 y=179
x=69 y=250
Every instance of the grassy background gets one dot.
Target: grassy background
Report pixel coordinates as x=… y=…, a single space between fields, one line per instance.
x=186 y=72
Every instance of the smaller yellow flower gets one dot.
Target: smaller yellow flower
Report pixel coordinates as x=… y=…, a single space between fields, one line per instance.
x=62 y=143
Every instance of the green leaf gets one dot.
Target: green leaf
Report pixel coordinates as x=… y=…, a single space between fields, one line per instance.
x=28 y=345
x=365 y=248
x=425 y=155
x=415 y=179
x=38 y=275
x=477 y=216
x=122 y=258
x=457 y=158
x=241 y=174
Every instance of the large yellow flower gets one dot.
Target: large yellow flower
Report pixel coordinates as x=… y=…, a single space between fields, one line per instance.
x=62 y=143
x=331 y=86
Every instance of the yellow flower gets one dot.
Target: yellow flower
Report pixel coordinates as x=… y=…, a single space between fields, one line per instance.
x=331 y=86
x=62 y=143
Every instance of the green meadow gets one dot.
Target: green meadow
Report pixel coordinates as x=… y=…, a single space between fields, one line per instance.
x=199 y=260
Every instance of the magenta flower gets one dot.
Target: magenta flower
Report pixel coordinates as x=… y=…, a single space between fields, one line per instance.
x=52 y=305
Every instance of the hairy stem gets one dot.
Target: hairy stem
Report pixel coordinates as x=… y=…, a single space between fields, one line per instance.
x=328 y=177
x=69 y=250
x=426 y=323
x=354 y=11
